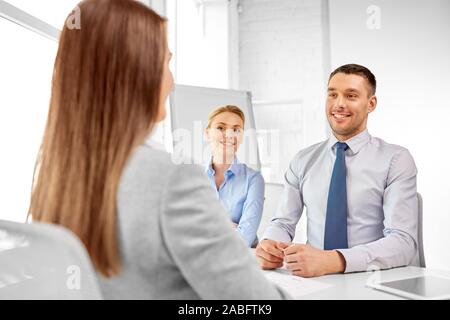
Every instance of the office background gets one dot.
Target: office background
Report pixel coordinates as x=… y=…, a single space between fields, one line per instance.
x=280 y=50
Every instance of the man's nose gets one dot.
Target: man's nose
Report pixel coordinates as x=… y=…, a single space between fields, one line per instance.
x=340 y=103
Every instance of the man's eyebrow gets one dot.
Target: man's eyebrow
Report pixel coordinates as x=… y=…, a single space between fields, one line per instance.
x=352 y=90
x=346 y=90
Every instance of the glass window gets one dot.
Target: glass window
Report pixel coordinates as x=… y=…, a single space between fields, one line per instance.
x=51 y=11
x=280 y=136
x=26 y=64
x=198 y=35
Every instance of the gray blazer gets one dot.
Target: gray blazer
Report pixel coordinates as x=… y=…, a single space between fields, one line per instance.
x=175 y=238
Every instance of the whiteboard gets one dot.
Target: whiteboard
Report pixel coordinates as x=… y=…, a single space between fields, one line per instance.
x=189 y=110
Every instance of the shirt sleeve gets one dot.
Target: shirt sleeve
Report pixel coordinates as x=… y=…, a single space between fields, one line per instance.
x=252 y=209
x=282 y=225
x=398 y=247
x=204 y=247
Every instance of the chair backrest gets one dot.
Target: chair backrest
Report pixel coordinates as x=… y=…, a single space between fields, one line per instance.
x=44 y=261
x=272 y=196
x=420 y=232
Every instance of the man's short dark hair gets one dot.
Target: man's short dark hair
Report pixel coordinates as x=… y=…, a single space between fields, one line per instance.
x=358 y=70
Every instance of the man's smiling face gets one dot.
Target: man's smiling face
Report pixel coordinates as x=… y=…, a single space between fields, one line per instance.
x=349 y=102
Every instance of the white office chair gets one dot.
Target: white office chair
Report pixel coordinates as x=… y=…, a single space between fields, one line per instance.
x=420 y=232
x=44 y=261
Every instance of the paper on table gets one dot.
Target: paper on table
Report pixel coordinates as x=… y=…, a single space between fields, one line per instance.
x=296 y=286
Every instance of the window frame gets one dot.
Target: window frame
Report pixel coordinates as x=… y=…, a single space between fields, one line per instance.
x=26 y=20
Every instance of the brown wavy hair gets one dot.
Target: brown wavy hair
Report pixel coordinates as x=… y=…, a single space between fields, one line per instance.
x=104 y=102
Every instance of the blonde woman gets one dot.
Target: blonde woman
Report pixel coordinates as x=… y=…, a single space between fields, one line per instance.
x=146 y=223
x=240 y=188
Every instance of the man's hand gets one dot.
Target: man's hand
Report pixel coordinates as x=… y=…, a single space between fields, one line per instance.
x=269 y=253
x=307 y=261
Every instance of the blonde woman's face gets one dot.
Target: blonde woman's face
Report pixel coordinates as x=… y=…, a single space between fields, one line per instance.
x=225 y=133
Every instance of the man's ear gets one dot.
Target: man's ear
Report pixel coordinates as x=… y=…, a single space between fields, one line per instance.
x=206 y=133
x=372 y=103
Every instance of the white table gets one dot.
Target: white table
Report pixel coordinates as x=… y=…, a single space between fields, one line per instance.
x=353 y=286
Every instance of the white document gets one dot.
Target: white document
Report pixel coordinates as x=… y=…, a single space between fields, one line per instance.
x=296 y=286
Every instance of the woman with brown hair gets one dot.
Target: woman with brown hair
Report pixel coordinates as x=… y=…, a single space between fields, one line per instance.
x=146 y=223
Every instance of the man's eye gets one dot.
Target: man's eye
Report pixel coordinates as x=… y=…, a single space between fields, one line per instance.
x=237 y=130
x=332 y=95
x=351 y=96
x=220 y=128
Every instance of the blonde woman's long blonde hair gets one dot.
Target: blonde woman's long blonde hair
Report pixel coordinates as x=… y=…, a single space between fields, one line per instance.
x=104 y=102
x=227 y=108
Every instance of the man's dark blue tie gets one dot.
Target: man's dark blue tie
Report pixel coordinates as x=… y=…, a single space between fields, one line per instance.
x=336 y=220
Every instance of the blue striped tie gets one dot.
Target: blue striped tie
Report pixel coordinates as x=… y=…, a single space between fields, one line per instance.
x=336 y=220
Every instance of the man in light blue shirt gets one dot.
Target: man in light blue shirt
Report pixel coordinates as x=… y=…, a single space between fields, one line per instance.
x=359 y=193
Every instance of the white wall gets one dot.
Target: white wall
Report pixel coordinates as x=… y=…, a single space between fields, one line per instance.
x=281 y=54
x=410 y=56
